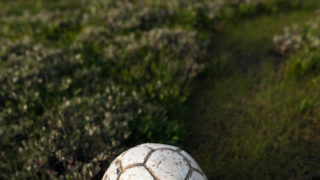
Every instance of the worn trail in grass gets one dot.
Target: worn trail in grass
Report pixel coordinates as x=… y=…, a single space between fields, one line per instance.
x=247 y=120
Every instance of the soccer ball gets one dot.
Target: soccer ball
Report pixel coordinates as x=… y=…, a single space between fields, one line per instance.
x=154 y=162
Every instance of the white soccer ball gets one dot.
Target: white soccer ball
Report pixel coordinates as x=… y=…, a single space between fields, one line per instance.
x=154 y=162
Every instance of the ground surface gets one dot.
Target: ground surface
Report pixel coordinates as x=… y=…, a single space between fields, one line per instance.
x=247 y=120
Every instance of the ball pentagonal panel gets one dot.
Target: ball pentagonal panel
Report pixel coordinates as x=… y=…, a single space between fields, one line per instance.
x=168 y=165
x=136 y=173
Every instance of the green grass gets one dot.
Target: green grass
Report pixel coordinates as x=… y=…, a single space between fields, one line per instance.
x=247 y=120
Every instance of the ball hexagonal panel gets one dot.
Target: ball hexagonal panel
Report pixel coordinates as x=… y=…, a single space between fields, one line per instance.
x=159 y=146
x=135 y=155
x=193 y=163
x=113 y=171
x=167 y=164
x=136 y=173
x=197 y=176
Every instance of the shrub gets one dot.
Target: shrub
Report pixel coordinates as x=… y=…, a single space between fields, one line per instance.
x=301 y=43
x=98 y=95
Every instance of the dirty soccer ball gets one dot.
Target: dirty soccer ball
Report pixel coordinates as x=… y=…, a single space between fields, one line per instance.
x=154 y=162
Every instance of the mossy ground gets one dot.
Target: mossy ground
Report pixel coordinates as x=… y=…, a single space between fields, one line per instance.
x=247 y=121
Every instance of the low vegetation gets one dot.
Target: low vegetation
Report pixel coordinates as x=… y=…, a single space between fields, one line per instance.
x=83 y=80
x=301 y=44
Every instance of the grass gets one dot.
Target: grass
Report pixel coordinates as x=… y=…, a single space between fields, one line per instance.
x=247 y=120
